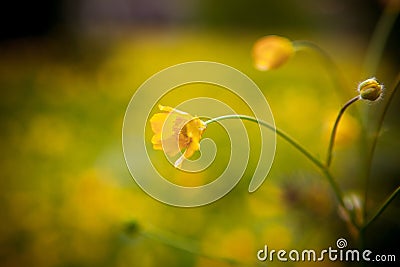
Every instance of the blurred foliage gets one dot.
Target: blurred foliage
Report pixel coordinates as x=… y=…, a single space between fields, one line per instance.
x=67 y=198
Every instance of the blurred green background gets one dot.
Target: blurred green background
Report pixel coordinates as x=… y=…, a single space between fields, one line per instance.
x=67 y=72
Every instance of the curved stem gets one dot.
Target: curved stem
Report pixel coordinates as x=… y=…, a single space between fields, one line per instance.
x=334 y=129
x=281 y=133
x=185 y=245
x=295 y=144
x=382 y=208
x=379 y=38
x=376 y=135
x=332 y=68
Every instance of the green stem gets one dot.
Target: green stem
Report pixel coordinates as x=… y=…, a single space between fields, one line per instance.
x=336 y=189
x=373 y=56
x=332 y=68
x=377 y=134
x=281 y=133
x=185 y=245
x=382 y=208
x=294 y=143
x=379 y=38
x=334 y=129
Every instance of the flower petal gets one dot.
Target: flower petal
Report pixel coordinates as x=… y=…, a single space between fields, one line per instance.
x=193 y=147
x=175 y=130
x=170 y=145
x=169 y=109
x=157 y=122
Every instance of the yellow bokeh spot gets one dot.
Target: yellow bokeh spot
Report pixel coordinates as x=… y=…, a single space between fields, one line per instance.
x=266 y=205
x=205 y=262
x=48 y=135
x=237 y=245
x=277 y=236
x=348 y=130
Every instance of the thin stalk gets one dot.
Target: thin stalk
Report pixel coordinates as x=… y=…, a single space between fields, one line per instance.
x=332 y=68
x=295 y=144
x=187 y=246
x=379 y=38
x=373 y=56
x=281 y=133
x=382 y=208
x=377 y=134
x=334 y=130
x=336 y=189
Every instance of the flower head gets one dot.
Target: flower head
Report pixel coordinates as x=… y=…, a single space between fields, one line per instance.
x=370 y=89
x=175 y=130
x=271 y=51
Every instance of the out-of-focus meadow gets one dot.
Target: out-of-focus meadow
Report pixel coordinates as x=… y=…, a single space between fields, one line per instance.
x=66 y=195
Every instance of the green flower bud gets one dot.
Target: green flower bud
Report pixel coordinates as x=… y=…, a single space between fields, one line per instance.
x=370 y=89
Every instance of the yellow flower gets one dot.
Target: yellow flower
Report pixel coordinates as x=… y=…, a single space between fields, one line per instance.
x=271 y=51
x=175 y=130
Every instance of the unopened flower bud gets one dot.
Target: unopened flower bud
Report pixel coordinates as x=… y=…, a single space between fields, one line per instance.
x=370 y=89
x=271 y=51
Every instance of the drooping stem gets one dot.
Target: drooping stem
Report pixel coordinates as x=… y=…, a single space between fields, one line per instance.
x=334 y=130
x=279 y=132
x=379 y=38
x=377 y=134
x=382 y=208
x=185 y=245
x=292 y=142
x=332 y=68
